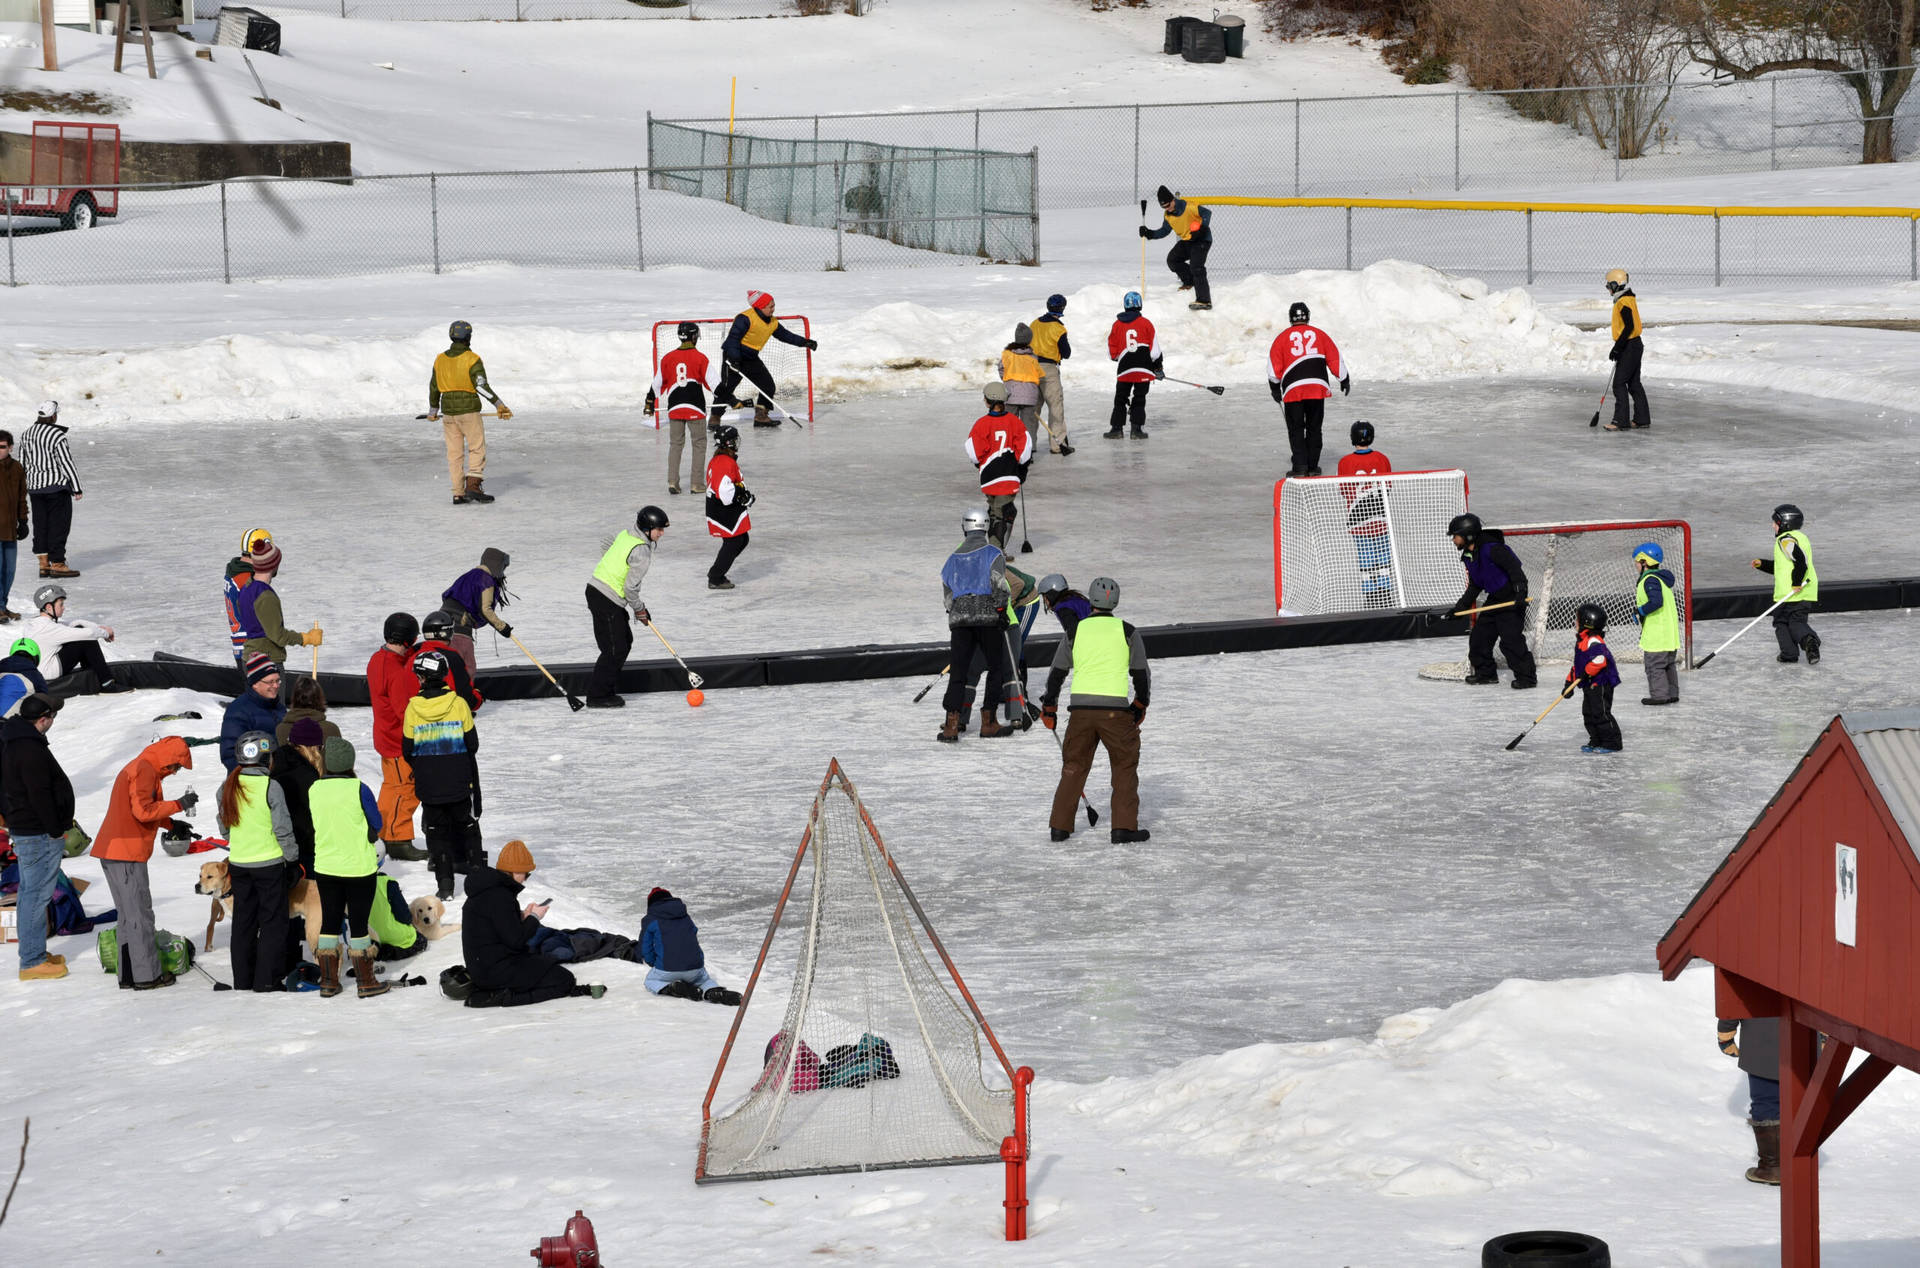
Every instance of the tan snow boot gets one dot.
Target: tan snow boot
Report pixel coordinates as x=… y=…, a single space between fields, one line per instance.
x=763 y=417
x=1766 y=1139
x=60 y=570
x=990 y=727
x=43 y=565
x=369 y=984
x=329 y=974
x=950 y=729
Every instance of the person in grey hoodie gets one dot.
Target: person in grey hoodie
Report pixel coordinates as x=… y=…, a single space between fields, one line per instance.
x=613 y=597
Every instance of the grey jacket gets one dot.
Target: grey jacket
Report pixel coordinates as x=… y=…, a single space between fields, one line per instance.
x=1760 y=1047
x=639 y=559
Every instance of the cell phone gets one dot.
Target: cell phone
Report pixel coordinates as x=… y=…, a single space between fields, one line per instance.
x=546 y=902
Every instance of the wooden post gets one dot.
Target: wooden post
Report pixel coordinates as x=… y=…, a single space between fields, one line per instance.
x=316 y=656
x=1799 y=1172
x=49 y=55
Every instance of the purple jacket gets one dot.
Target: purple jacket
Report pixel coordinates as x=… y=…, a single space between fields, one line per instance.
x=1590 y=648
x=1492 y=567
x=466 y=591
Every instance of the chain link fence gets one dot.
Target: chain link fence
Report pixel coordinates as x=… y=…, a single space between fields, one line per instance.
x=1406 y=144
x=541 y=10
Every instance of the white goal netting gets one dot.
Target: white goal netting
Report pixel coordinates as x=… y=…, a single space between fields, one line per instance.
x=1363 y=543
x=877 y=1062
x=1571 y=564
x=791 y=367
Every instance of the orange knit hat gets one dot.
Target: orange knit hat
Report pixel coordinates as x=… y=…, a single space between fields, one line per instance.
x=514 y=857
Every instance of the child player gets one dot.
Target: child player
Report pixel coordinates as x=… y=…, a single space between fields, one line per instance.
x=1135 y=351
x=1596 y=675
x=1367 y=516
x=1659 y=617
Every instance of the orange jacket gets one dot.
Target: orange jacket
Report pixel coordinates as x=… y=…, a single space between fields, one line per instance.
x=135 y=811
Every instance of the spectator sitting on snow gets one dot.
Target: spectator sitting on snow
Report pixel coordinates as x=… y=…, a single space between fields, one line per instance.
x=670 y=948
x=394 y=933
x=494 y=934
x=66 y=644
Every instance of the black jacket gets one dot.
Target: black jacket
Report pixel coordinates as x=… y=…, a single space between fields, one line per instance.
x=494 y=935
x=296 y=776
x=36 y=792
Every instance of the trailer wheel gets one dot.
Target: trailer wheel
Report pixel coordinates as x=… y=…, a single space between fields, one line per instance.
x=1565 y=1250
x=80 y=214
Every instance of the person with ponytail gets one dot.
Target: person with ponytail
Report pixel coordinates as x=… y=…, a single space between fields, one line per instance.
x=262 y=864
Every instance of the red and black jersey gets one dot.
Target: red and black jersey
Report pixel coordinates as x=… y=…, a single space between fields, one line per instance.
x=1134 y=349
x=682 y=384
x=726 y=509
x=1305 y=363
x=1366 y=501
x=999 y=445
x=1365 y=462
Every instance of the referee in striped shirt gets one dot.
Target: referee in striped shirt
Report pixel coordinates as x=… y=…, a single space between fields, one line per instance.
x=53 y=486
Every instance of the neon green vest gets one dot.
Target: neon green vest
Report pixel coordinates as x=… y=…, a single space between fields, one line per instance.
x=340 y=845
x=1783 y=570
x=1101 y=658
x=387 y=930
x=612 y=568
x=251 y=840
x=1660 y=631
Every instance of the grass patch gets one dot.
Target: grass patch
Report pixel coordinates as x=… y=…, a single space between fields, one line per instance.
x=42 y=102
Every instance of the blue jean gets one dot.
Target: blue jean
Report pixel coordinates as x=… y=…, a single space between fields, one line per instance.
x=1765 y=1094
x=9 y=553
x=39 y=863
x=657 y=978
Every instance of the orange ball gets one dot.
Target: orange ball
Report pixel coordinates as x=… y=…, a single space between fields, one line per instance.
x=696 y=697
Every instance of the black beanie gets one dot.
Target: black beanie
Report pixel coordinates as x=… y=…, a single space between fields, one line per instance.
x=1164 y=194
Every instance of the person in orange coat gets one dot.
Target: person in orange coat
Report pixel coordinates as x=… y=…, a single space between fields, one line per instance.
x=136 y=812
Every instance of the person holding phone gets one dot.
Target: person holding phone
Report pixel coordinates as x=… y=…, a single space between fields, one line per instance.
x=494 y=934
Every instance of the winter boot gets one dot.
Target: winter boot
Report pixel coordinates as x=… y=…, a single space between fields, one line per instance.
x=460 y=498
x=442 y=871
x=369 y=984
x=1785 y=659
x=1811 y=646
x=1057 y=835
x=587 y=989
x=722 y=996
x=58 y=568
x=763 y=417
x=1111 y=434
x=679 y=990
x=1524 y=684
x=330 y=973
x=43 y=565
x=950 y=729
x=1128 y=836
x=1200 y=307
x=48 y=971
x=722 y=584
x=606 y=702
x=990 y=727
x=405 y=851
x=1481 y=680
x=475 y=493
x=673 y=488
x=1766 y=1138
x=1139 y=432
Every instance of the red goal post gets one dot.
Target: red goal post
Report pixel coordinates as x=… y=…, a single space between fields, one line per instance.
x=792 y=367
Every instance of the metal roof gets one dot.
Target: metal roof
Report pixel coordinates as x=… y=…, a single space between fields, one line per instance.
x=1888 y=741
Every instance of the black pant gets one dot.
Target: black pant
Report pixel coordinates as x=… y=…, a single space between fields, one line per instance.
x=348 y=898
x=259 y=926
x=52 y=521
x=82 y=654
x=453 y=837
x=977 y=666
x=1506 y=625
x=1188 y=260
x=555 y=983
x=1129 y=402
x=1596 y=709
x=730 y=548
x=1303 y=432
x=613 y=633
x=990 y=642
x=387 y=952
x=1626 y=382
x=1790 y=626
x=748 y=364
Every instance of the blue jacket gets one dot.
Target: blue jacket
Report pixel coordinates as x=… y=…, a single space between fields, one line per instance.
x=248 y=712
x=668 y=938
x=19 y=675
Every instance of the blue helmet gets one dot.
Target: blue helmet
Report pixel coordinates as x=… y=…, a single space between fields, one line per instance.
x=1650 y=553
x=1132 y=301
x=1056 y=303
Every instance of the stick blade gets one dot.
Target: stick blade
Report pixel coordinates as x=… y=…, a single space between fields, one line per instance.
x=1026 y=547
x=1093 y=817
x=1218 y=391
x=1704 y=659
x=575 y=703
x=1514 y=743
x=1595 y=420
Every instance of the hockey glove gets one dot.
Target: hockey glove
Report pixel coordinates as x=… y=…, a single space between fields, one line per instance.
x=187 y=801
x=1049 y=716
x=649 y=404
x=1143 y=231
x=1728 y=1038
x=311 y=638
x=291 y=874
x=1278 y=392
x=643 y=616
x=506 y=631
x=1139 y=712
x=505 y=413
x=1566 y=692
x=1438 y=615
x=1345 y=387
x=812 y=346
x=743 y=496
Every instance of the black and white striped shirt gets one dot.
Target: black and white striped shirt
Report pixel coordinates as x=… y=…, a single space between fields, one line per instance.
x=43 y=452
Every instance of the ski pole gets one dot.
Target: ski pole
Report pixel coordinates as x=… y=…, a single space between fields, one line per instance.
x=573 y=701
x=1026 y=547
x=1749 y=625
x=769 y=395
x=1093 y=816
x=930 y=686
x=693 y=679
x=1514 y=743
x=1204 y=387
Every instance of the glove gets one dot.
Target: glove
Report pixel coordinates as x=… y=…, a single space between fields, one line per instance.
x=1728 y=1038
x=1566 y=692
x=1277 y=392
x=1437 y=615
x=744 y=496
x=812 y=346
x=1049 y=716
x=20 y=531
x=311 y=638
x=1139 y=712
x=501 y=407
x=643 y=616
x=1345 y=387
x=1143 y=231
x=180 y=827
x=1613 y=354
x=1758 y=564
x=1025 y=467
x=649 y=403
x=292 y=874
x=188 y=800
x=506 y=631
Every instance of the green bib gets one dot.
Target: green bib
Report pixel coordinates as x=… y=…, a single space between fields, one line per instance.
x=387 y=929
x=612 y=568
x=1101 y=658
x=340 y=845
x=251 y=840
x=1783 y=569
x=1660 y=630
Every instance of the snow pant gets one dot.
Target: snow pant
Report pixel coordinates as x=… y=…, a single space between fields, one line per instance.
x=9 y=561
x=1663 y=675
x=1790 y=627
x=397 y=800
x=680 y=428
x=1188 y=260
x=1763 y=1099
x=1054 y=397
x=990 y=642
x=389 y=953
x=1001 y=513
x=85 y=654
x=749 y=365
x=1303 y=432
x=453 y=837
x=466 y=449
x=1626 y=383
x=657 y=978
x=348 y=898
x=52 y=521
x=613 y=634
x=1120 y=734
x=1016 y=637
x=259 y=926
x=1129 y=404
x=1509 y=627
x=133 y=901
x=1596 y=710
x=555 y=982
x=730 y=548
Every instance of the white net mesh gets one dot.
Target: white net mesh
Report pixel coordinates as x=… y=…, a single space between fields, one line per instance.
x=1357 y=543
x=792 y=367
x=1571 y=564
x=889 y=1068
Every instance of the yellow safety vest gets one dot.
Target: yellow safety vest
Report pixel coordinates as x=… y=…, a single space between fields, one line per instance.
x=1019 y=367
x=1660 y=631
x=1046 y=339
x=1182 y=227
x=455 y=374
x=1101 y=658
x=612 y=568
x=340 y=845
x=759 y=329
x=386 y=928
x=251 y=839
x=1783 y=569
x=1625 y=302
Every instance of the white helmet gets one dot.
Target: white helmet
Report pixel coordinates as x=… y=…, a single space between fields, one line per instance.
x=974 y=521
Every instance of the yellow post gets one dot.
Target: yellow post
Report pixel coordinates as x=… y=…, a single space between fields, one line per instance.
x=733 y=89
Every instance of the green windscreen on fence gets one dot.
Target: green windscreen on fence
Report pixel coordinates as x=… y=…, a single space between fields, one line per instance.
x=962 y=202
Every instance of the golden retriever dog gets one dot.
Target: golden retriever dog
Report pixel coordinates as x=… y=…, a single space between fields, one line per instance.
x=430 y=918
x=303 y=903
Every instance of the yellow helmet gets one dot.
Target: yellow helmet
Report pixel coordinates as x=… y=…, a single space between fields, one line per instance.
x=1616 y=277
x=255 y=539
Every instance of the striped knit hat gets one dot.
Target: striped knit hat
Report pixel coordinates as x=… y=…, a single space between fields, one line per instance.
x=259 y=666
x=266 y=559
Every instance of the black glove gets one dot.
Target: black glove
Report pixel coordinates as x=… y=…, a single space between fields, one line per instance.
x=20 y=530
x=744 y=496
x=1438 y=615
x=1345 y=387
x=188 y=800
x=1139 y=712
x=476 y=801
x=1613 y=353
x=1277 y=392
x=1566 y=692
x=1143 y=231
x=506 y=631
x=648 y=406
x=180 y=827
x=812 y=346
x=1025 y=467
x=291 y=874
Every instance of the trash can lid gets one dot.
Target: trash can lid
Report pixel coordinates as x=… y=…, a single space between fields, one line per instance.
x=1227 y=19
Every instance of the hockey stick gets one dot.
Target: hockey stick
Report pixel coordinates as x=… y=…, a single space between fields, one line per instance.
x=218 y=985
x=316 y=656
x=1595 y=420
x=760 y=391
x=1491 y=607
x=573 y=702
x=1204 y=387
x=1749 y=625
x=1026 y=547
x=930 y=686
x=1093 y=816
x=693 y=679
x=1015 y=689
x=1514 y=743
x=1143 y=249
x=483 y=413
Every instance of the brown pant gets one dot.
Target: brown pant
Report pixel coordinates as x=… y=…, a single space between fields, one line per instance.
x=680 y=428
x=1055 y=399
x=397 y=802
x=466 y=449
x=1086 y=728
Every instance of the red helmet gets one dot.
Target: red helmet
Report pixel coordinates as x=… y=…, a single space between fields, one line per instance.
x=760 y=300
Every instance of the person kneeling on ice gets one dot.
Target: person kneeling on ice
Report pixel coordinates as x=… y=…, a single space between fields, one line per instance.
x=670 y=948
x=1659 y=617
x=1596 y=675
x=495 y=932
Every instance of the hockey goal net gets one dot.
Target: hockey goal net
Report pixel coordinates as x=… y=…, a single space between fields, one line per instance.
x=1571 y=564
x=1361 y=543
x=792 y=367
x=880 y=1059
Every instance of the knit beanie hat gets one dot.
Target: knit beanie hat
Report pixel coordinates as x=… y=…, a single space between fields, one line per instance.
x=1164 y=195
x=306 y=733
x=657 y=895
x=514 y=857
x=339 y=755
x=1023 y=333
x=266 y=559
x=260 y=665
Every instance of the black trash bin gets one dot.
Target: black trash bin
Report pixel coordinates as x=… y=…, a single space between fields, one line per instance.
x=1175 y=27
x=1203 y=42
x=1236 y=33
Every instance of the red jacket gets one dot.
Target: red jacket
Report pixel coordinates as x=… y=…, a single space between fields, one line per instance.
x=391 y=683
x=135 y=810
x=999 y=445
x=1134 y=349
x=1305 y=363
x=726 y=513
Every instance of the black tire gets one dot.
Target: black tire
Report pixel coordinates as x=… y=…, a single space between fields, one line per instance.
x=80 y=213
x=1545 y=1247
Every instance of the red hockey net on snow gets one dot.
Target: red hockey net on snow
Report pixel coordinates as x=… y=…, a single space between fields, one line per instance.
x=792 y=367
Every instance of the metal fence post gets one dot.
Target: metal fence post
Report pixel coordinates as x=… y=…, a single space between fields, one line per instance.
x=226 y=251
x=839 y=224
x=1296 y=147
x=639 y=233
x=11 y=280
x=1773 y=125
x=1913 y=249
x=1136 y=156
x=1716 y=246
x=1529 y=215
x=1349 y=237
x=1456 y=143
x=433 y=197
x=1033 y=200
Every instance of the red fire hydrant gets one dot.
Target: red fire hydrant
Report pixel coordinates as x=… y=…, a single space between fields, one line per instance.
x=576 y=1248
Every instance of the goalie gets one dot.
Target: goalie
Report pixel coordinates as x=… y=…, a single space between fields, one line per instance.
x=740 y=355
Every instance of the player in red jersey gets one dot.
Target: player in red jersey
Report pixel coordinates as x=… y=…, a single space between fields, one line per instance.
x=1367 y=516
x=1135 y=351
x=727 y=503
x=1002 y=448
x=1303 y=368
x=684 y=379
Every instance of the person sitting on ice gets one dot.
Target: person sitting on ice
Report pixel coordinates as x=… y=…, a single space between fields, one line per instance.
x=495 y=932
x=68 y=644
x=670 y=948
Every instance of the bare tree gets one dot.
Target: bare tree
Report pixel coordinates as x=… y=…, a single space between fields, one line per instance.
x=1629 y=48
x=1868 y=44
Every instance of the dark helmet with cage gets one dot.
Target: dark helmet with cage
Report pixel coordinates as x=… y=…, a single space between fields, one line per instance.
x=1466 y=526
x=1297 y=314
x=432 y=667
x=1361 y=433
x=726 y=439
x=437 y=624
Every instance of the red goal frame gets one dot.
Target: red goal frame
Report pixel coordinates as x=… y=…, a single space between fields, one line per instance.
x=713 y=353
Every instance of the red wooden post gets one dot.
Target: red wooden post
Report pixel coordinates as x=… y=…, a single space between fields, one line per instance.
x=1799 y=1172
x=1014 y=1152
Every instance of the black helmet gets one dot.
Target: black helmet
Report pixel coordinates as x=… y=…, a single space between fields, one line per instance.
x=1787 y=517
x=460 y=332
x=431 y=667
x=401 y=628
x=689 y=331
x=1591 y=616
x=437 y=623
x=649 y=518
x=455 y=983
x=727 y=437
x=1361 y=433
x=1298 y=315
x=1467 y=526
